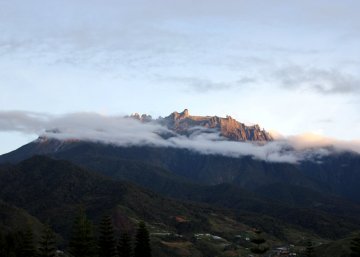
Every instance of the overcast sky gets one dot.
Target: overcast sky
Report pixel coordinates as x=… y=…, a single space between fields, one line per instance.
x=291 y=66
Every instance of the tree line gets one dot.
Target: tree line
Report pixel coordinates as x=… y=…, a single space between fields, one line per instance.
x=82 y=243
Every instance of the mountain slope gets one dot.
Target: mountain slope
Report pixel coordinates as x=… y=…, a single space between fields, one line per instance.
x=102 y=159
x=281 y=191
x=54 y=190
x=341 y=172
x=205 y=169
x=14 y=219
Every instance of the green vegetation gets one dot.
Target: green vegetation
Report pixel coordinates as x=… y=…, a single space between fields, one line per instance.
x=260 y=243
x=83 y=242
x=124 y=245
x=47 y=244
x=28 y=247
x=11 y=244
x=297 y=198
x=309 y=252
x=107 y=241
x=52 y=191
x=142 y=242
x=355 y=246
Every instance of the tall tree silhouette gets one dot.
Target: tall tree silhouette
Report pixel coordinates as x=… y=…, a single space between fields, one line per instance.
x=47 y=243
x=107 y=242
x=309 y=251
x=124 y=245
x=82 y=243
x=28 y=248
x=142 y=242
x=259 y=241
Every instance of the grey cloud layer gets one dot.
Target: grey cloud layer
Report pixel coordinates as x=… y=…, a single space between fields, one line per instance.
x=207 y=85
x=125 y=132
x=319 y=80
x=145 y=37
x=160 y=25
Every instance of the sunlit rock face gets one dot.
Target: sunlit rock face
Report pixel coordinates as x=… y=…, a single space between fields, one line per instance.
x=184 y=123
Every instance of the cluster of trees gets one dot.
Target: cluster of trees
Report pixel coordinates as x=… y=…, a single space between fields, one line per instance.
x=83 y=242
x=22 y=243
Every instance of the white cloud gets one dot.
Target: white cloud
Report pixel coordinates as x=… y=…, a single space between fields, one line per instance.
x=125 y=132
x=322 y=81
x=311 y=140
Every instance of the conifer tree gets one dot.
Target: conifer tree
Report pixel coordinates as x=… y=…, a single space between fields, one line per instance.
x=107 y=242
x=47 y=243
x=309 y=251
x=259 y=241
x=28 y=248
x=124 y=246
x=142 y=242
x=355 y=246
x=82 y=243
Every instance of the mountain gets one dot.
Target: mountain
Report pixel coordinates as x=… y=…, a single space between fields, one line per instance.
x=14 y=219
x=244 y=172
x=289 y=201
x=183 y=123
x=200 y=168
x=340 y=171
x=14 y=223
x=277 y=190
x=53 y=190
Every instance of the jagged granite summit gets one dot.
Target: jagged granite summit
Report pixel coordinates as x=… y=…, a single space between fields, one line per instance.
x=184 y=123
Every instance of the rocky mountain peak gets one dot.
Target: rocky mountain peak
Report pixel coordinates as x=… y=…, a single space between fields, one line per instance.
x=181 y=115
x=184 y=123
x=228 y=127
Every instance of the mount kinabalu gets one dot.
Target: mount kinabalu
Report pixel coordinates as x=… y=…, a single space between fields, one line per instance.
x=244 y=171
x=320 y=198
x=184 y=123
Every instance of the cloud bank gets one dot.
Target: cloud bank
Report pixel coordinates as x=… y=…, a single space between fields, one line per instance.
x=124 y=131
x=320 y=80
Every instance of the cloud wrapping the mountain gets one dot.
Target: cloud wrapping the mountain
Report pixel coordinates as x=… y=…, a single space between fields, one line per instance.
x=310 y=140
x=130 y=132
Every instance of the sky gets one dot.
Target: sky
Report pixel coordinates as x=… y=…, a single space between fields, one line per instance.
x=290 y=66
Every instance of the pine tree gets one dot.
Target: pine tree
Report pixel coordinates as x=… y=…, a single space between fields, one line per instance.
x=28 y=248
x=107 y=242
x=259 y=241
x=309 y=251
x=124 y=245
x=82 y=243
x=47 y=243
x=355 y=246
x=142 y=242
